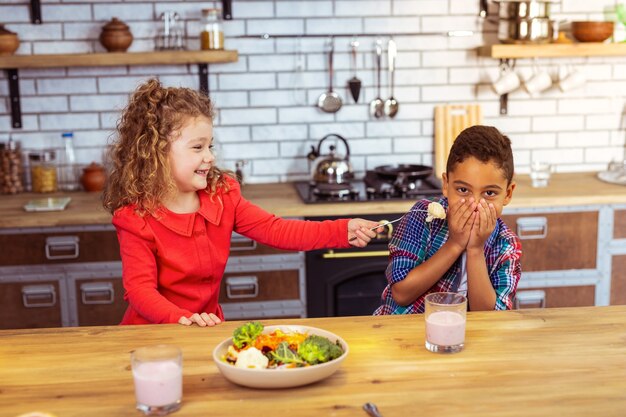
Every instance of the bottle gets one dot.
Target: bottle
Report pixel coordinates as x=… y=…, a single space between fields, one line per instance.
x=212 y=35
x=67 y=166
x=43 y=171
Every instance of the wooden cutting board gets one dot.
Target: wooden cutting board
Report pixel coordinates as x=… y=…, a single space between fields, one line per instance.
x=450 y=120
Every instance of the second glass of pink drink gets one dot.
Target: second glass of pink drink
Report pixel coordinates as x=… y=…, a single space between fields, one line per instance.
x=445 y=315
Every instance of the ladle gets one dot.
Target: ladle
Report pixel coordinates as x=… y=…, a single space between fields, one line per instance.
x=391 y=104
x=330 y=102
x=377 y=106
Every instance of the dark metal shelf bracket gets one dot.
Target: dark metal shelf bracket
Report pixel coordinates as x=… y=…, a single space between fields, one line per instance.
x=227 y=9
x=35 y=12
x=203 y=73
x=14 y=96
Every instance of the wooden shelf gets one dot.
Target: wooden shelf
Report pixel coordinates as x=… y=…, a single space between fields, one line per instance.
x=506 y=51
x=13 y=63
x=117 y=59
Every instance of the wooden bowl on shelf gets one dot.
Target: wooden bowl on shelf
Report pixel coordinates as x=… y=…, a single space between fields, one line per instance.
x=592 y=31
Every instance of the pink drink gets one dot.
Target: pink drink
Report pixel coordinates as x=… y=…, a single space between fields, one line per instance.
x=158 y=383
x=445 y=328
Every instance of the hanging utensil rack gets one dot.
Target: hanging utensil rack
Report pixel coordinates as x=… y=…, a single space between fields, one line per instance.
x=451 y=34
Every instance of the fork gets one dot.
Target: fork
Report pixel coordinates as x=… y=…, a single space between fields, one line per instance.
x=391 y=221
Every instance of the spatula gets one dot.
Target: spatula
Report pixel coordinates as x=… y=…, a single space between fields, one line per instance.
x=354 y=83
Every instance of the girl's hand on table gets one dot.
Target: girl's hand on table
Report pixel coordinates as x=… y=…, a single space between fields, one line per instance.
x=201 y=320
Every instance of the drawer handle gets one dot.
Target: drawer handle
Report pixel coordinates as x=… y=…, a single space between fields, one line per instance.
x=242 y=242
x=332 y=255
x=532 y=227
x=246 y=287
x=62 y=247
x=530 y=297
x=34 y=296
x=97 y=293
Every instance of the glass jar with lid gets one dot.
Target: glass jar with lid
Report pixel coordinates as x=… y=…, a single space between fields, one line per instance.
x=212 y=35
x=43 y=171
x=11 y=168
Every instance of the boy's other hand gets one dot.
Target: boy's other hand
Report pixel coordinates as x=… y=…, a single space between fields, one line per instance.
x=359 y=229
x=461 y=217
x=202 y=320
x=483 y=226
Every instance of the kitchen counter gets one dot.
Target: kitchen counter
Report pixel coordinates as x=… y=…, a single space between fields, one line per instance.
x=283 y=200
x=539 y=362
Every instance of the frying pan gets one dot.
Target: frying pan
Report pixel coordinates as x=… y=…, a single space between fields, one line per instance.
x=410 y=172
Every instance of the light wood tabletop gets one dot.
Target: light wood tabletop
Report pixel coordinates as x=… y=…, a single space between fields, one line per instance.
x=539 y=362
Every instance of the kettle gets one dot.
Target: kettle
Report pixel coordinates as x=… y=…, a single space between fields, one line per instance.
x=331 y=168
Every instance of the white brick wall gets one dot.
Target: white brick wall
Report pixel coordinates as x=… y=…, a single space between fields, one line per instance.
x=265 y=102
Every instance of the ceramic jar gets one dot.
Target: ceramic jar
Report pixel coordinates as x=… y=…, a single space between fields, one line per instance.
x=93 y=177
x=9 y=41
x=116 y=36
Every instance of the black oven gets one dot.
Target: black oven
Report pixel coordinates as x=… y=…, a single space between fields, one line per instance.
x=348 y=282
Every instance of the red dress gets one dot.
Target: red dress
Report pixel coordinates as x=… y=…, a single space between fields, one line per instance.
x=172 y=265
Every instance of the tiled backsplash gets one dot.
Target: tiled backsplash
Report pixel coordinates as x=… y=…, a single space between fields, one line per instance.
x=266 y=100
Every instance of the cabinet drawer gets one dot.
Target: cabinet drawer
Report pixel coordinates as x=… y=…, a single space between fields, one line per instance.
x=618 y=280
x=99 y=302
x=56 y=248
x=556 y=241
x=619 y=228
x=258 y=286
x=243 y=246
x=34 y=304
x=574 y=296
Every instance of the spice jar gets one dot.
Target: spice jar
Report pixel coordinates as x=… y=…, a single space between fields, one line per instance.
x=212 y=35
x=43 y=171
x=11 y=168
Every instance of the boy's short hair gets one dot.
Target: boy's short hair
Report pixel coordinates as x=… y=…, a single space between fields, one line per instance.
x=486 y=144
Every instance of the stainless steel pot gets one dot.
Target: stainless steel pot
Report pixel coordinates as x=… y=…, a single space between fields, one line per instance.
x=537 y=30
x=524 y=9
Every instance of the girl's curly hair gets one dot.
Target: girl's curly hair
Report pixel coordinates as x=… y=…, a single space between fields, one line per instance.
x=139 y=169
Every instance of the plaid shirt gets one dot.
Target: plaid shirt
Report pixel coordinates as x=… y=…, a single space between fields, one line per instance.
x=415 y=241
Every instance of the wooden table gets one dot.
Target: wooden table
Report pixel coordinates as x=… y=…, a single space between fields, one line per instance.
x=540 y=362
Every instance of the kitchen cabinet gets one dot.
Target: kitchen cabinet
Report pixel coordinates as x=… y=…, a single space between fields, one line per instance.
x=60 y=276
x=571 y=256
x=262 y=282
x=559 y=256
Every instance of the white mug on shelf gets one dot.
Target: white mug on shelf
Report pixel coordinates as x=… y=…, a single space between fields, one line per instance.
x=507 y=82
x=574 y=79
x=539 y=82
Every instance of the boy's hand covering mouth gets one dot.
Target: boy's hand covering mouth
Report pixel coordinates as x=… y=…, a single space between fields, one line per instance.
x=435 y=211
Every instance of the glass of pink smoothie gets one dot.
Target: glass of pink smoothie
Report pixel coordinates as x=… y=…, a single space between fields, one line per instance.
x=158 y=375
x=445 y=322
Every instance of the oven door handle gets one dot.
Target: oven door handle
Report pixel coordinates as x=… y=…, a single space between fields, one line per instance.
x=367 y=254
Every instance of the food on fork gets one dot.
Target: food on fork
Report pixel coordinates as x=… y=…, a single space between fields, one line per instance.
x=435 y=211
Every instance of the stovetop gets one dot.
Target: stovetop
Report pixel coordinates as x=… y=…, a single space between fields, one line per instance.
x=371 y=188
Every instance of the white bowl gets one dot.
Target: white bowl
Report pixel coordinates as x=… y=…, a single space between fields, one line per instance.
x=285 y=377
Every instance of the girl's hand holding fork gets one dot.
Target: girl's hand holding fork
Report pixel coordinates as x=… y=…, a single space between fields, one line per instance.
x=360 y=232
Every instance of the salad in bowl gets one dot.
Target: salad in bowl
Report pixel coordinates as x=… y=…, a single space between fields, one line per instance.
x=279 y=356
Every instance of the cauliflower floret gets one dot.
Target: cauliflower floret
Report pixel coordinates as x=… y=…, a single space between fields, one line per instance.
x=251 y=358
x=435 y=211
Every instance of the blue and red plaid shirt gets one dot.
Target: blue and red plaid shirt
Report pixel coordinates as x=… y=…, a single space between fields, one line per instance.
x=415 y=241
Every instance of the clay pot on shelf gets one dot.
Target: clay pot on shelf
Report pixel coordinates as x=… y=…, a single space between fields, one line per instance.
x=9 y=41
x=93 y=178
x=115 y=36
